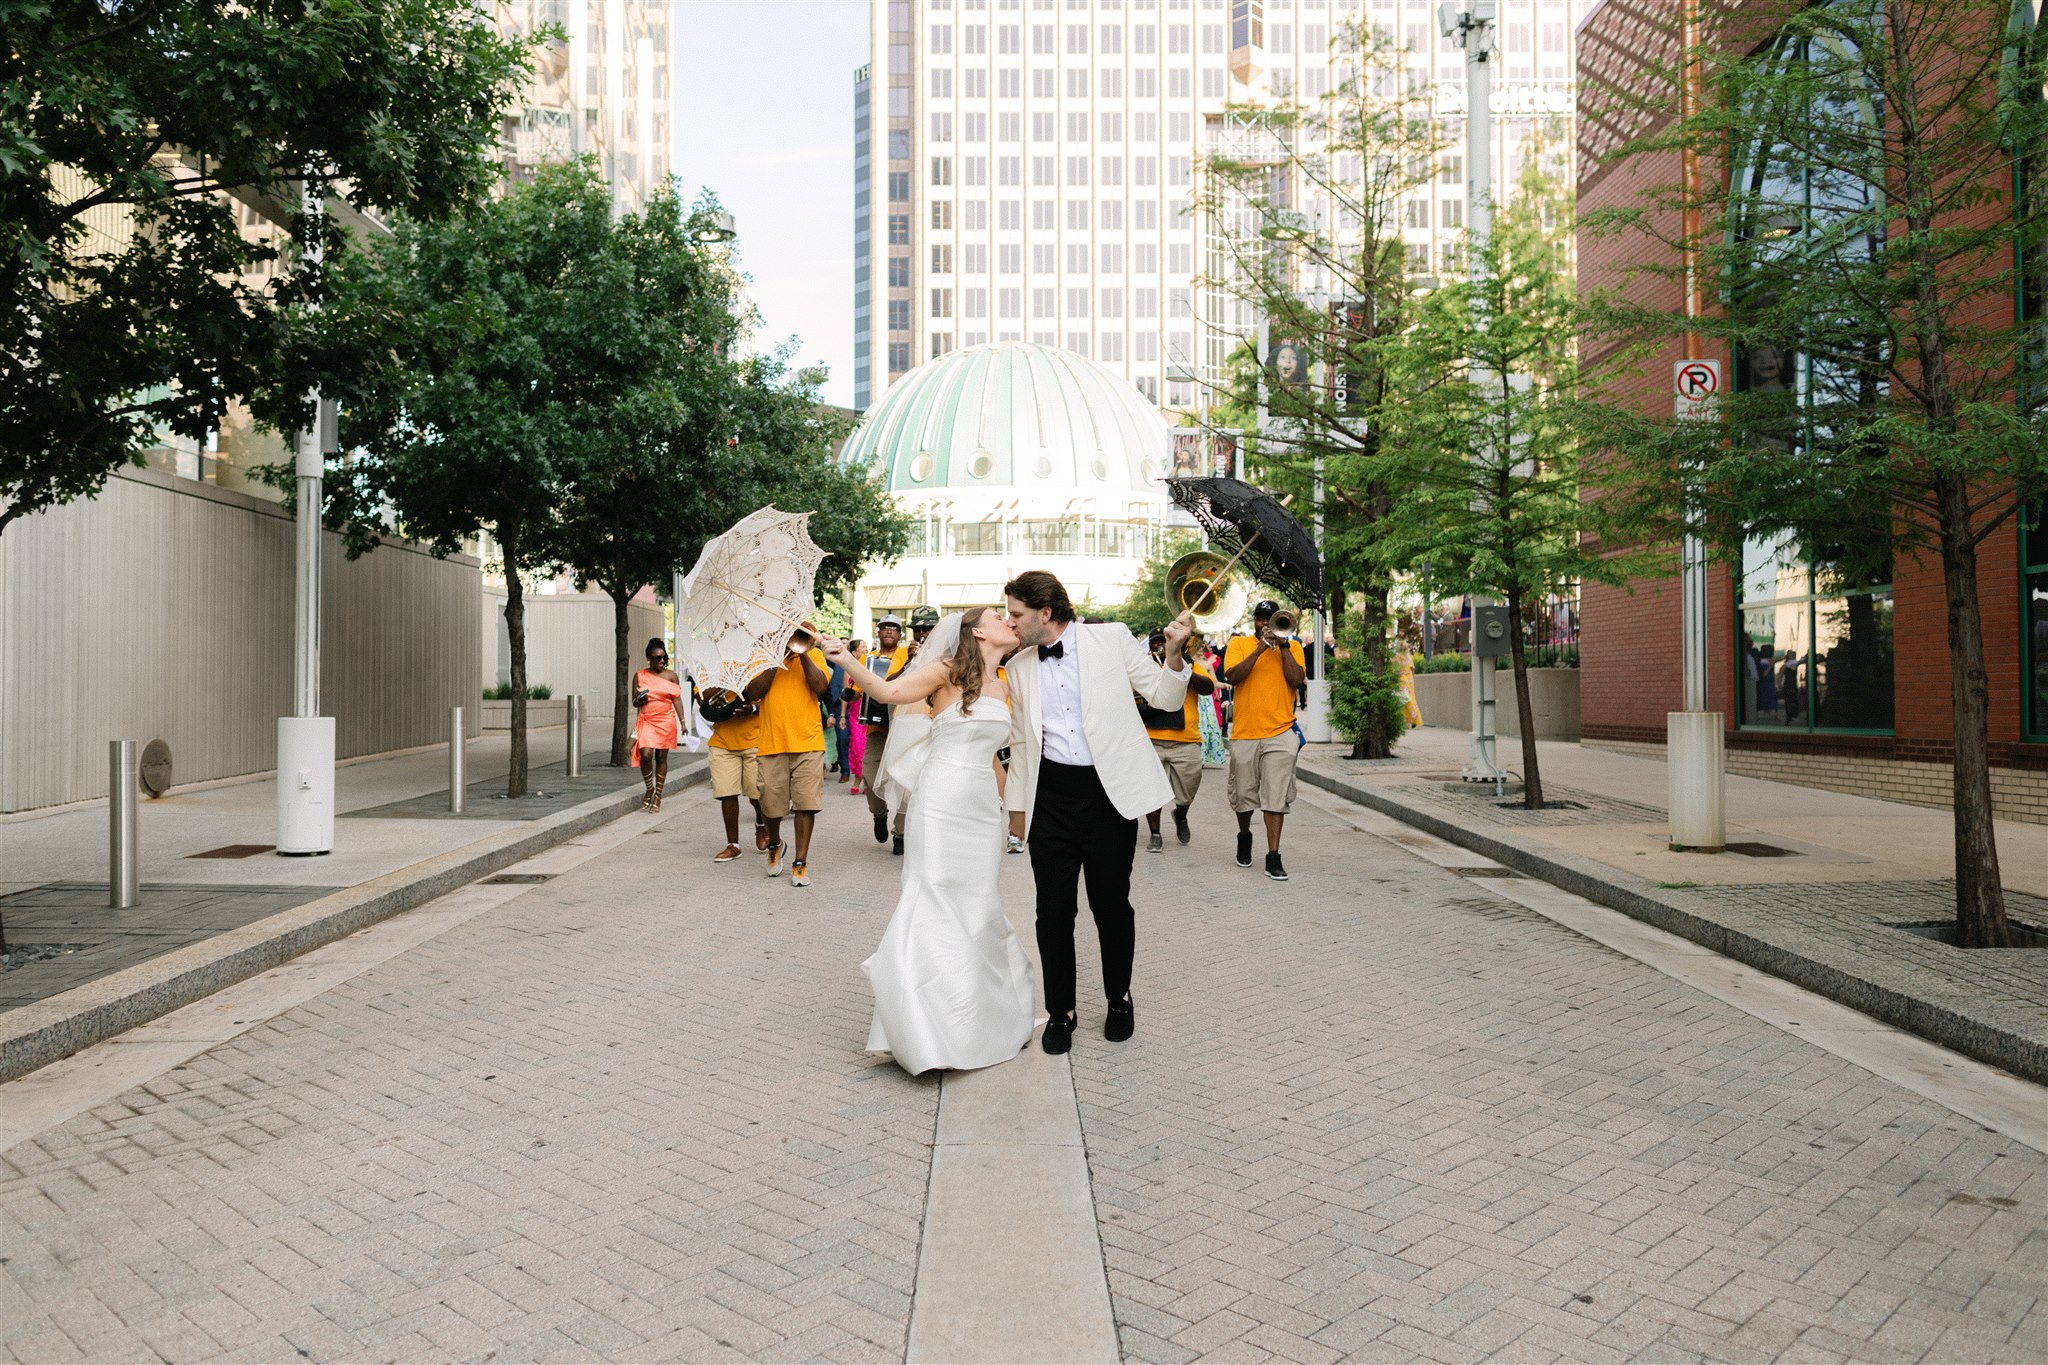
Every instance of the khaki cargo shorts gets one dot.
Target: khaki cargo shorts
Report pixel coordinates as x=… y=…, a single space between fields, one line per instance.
x=736 y=772
x=1182 y=760
x=792 y=782
x=1262 y=773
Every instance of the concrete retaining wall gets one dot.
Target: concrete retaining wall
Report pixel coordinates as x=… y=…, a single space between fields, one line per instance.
x=162 y=609
x=568 y=645
x=1446 y=700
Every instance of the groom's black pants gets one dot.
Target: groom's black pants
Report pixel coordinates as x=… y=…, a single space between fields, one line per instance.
x=1076 y=833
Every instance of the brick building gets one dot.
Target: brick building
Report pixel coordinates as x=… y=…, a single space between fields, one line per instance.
x=1846 y=689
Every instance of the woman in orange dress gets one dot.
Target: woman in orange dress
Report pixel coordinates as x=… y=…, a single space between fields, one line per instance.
x=657 y=696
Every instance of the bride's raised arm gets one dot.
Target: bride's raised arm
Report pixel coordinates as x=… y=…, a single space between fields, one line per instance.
x=915 y=685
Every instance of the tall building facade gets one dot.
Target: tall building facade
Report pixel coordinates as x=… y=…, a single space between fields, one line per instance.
x=1031 y=163
x=863 y=241
x=600 y=89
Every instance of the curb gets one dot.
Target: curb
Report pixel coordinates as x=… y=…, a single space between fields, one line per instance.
x=35 y=1035
x=1988 y=1042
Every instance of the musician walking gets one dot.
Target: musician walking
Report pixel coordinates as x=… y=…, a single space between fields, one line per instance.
x=1264 y=669
x=1177 y=739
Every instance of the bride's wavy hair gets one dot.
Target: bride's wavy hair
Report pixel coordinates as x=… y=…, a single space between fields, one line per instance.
x=966 y=660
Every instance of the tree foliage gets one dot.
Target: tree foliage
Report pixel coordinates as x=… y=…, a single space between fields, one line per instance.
x=133 y=133
x=1870 y=208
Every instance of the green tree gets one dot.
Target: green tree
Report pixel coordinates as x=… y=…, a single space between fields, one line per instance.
x=133 y=133
x=1144 y=607
x=1482 y=452
x=1870 y=210
x=501 y=374
x=1337 y=294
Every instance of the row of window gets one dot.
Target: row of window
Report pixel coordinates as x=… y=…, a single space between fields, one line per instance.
x=1145 y=349
x=1109 y=539
x=1106 y=84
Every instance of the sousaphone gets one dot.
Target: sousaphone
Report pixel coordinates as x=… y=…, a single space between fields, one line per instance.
x=1201 y=584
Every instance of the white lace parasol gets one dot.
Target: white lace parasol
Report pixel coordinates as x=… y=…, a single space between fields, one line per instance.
x=752 y=587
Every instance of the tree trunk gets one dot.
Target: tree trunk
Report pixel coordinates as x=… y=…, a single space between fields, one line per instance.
x=515 y=632
x=1373 y=740
x=622 y=680
x=1525 y=712
x=1980 y=894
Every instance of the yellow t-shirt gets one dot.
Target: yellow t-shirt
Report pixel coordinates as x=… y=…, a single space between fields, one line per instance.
x=738 y=732
x=791 y=722
x=1263 y=704
x=1190 y=731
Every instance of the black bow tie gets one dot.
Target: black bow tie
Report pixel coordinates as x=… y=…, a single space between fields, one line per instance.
x=1057 y=649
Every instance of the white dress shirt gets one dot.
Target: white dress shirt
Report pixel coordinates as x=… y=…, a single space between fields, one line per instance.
x=1059 y=683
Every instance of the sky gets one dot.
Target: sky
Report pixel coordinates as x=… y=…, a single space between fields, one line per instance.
x=764 y=117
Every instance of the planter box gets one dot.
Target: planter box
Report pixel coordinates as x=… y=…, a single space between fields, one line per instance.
x=497 y=715
x=1446 y=700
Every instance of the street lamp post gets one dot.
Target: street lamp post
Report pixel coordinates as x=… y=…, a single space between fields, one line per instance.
x=1472 y=29
x=305 y=739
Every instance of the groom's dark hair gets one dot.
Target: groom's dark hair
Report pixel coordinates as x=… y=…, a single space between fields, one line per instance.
x=1039 y=590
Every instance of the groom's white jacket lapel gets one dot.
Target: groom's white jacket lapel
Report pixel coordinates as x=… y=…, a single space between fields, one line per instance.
x=1113 y=665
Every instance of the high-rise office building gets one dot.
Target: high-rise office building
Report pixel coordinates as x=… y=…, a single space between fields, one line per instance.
x=1031 y=162
x=863 y=242
x=600 y=90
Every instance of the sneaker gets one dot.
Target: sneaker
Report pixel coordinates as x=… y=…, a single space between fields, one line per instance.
x=882 y=830
x=896 y=846
x=1244 y=849
x=1274 y=869
x=1016 y=844
x=799 y=874
x=1180 y=824
x=1154 y=843
x=775 y=851
x=726 y=854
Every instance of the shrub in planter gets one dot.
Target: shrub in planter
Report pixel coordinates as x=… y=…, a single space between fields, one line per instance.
x=1367 y=705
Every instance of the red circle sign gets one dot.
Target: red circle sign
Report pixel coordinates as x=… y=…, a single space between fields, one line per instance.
x=1697 y=380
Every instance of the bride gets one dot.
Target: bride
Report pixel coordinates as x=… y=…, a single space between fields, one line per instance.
x=952 y=985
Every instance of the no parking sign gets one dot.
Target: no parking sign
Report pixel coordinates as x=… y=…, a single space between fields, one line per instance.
x=1694 y=386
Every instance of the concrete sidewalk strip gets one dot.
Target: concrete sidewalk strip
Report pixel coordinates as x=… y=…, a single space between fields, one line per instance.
x=37 y=1034
x=2003 y=1023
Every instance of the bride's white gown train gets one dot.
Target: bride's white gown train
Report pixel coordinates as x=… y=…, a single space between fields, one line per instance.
x=952 y=985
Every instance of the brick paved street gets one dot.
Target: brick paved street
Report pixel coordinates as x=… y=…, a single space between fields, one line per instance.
x=1375 y=1112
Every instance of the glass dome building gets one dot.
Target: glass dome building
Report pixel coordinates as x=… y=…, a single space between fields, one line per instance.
x=1013 y=456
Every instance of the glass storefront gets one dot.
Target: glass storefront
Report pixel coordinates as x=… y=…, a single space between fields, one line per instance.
x=1815 y=643
x=2034 y=616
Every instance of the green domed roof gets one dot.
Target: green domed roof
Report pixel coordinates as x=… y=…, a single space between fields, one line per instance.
x=1014 y=415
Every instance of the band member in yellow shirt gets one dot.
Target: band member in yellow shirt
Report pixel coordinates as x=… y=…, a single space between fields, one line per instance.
x=1179 y=745
x=792 y=747
x=1264 y=669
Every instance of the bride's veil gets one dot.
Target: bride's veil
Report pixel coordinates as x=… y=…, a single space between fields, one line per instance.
x=910 y=727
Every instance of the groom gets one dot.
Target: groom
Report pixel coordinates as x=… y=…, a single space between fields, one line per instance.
x=1082 y=770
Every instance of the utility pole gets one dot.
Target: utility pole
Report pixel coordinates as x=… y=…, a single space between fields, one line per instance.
x=1473 y=30
x=305 y=739
x=1694 y=741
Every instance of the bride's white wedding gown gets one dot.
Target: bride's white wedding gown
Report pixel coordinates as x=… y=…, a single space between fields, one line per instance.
x=952 y=985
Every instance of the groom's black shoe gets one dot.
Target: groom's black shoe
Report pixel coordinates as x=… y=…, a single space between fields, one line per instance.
x=1122 y=1021
x=1059 y=1035
x=881 y=829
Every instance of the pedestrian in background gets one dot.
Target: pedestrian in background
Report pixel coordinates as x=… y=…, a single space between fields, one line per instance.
x=1265 y=670
x=856 y=732
x=891 y=654
x=658 y=728
x=1177 y=739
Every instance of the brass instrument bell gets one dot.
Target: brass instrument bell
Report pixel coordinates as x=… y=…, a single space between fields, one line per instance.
x=1196 y=584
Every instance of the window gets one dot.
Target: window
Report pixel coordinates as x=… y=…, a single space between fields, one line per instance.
x=942 y=127
x=899 y=229
x=1052 y=537
x=1814 y=650
x=899 y=315
x=942 y=342
x=2034 y=617
x=899 y=144
x=899 y=187
x=942 y=170
x=942 y=260
x=973 y=259
x=899 y=272
x=942 y=303
x=942 y=214
x=977 y=537
x=899 y=357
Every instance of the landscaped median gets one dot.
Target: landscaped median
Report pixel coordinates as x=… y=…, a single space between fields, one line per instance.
x=1867 y=942
x=34 y=1035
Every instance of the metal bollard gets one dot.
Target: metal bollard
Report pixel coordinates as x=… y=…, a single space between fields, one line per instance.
x=575 y=768
x=124 y=872
x=458 y=762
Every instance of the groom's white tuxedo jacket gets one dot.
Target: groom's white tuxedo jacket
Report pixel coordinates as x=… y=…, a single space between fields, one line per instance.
x=1113 y=665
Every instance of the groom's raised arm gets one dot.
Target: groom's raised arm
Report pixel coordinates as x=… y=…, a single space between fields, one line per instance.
x=1150 y=680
